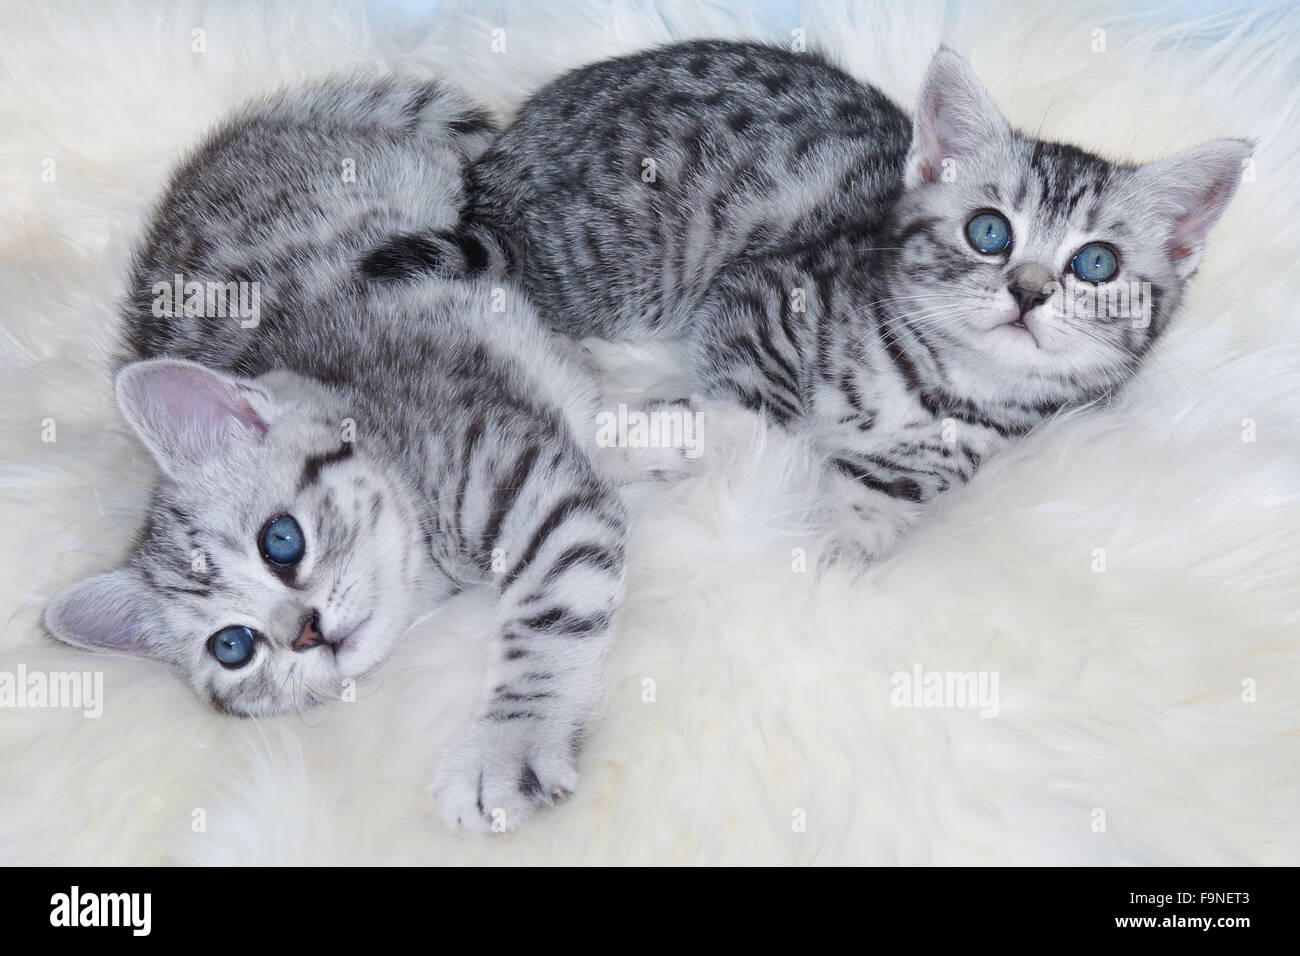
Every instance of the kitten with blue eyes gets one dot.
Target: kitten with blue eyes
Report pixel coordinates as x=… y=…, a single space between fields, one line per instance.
x=337 y=464
x=914 y=293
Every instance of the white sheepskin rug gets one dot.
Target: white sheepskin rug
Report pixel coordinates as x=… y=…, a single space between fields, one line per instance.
x=1129 y=577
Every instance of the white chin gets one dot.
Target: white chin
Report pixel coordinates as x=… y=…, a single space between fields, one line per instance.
x=1016 y=336
x=359 y=654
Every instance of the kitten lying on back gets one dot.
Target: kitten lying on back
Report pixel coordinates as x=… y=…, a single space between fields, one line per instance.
x=333 y=469
x=914 y=293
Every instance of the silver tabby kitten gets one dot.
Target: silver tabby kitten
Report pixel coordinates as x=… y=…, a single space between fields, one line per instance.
x=334 y=469
x=913 y=293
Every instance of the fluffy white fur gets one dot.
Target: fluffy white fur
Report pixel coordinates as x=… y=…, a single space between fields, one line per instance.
x=1120 y=691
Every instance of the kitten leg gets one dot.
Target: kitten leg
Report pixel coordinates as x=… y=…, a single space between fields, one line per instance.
x=864 y=523
x=878 y=489
x=683 y=432
x=655 y=440
x=558 y=560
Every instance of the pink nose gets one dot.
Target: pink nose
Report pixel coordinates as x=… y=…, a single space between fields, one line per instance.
x=310 y=634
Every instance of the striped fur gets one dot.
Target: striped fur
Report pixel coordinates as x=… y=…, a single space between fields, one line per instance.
x=808 y=239
x=427 y=439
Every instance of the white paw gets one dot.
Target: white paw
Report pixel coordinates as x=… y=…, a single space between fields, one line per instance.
x=863 y=530
x=845 y=554
x=728 y=429
x=494 y=774
x=651 y=441
x=627 y=464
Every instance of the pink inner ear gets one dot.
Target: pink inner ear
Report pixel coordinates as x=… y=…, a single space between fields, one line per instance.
x=192 y=397
x=99 y=612
x=929 y=137
x=207 y=401
x=184 y=412
x=1202 y=211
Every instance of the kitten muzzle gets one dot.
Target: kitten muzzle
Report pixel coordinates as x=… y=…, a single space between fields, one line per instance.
x=1030 y=285
x=309 y=634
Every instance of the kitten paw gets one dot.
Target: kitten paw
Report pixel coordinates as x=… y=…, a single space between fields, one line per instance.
x=496 y=773
x=729 y=429
x=651 y=441
x=864 y=528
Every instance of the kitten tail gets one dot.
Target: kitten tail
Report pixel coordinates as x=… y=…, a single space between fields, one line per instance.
x=470 y=251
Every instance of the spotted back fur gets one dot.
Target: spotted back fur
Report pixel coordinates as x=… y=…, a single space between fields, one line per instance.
x=808 y=239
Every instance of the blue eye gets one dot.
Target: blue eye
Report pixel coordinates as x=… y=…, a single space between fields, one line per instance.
x=1095 y=262
x=989 y=233
x=233 y=646
x=282 y=542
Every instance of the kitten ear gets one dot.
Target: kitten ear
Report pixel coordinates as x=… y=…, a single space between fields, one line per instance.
x=186 y=413
x=954 y=117
x=100 y=614
x=1192 y=189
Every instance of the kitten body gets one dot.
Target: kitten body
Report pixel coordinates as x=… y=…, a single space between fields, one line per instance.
x=811 y=243
x=423 y=439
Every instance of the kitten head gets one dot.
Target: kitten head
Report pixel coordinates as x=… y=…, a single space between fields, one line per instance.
x=274 y=564
x=1054 y=269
